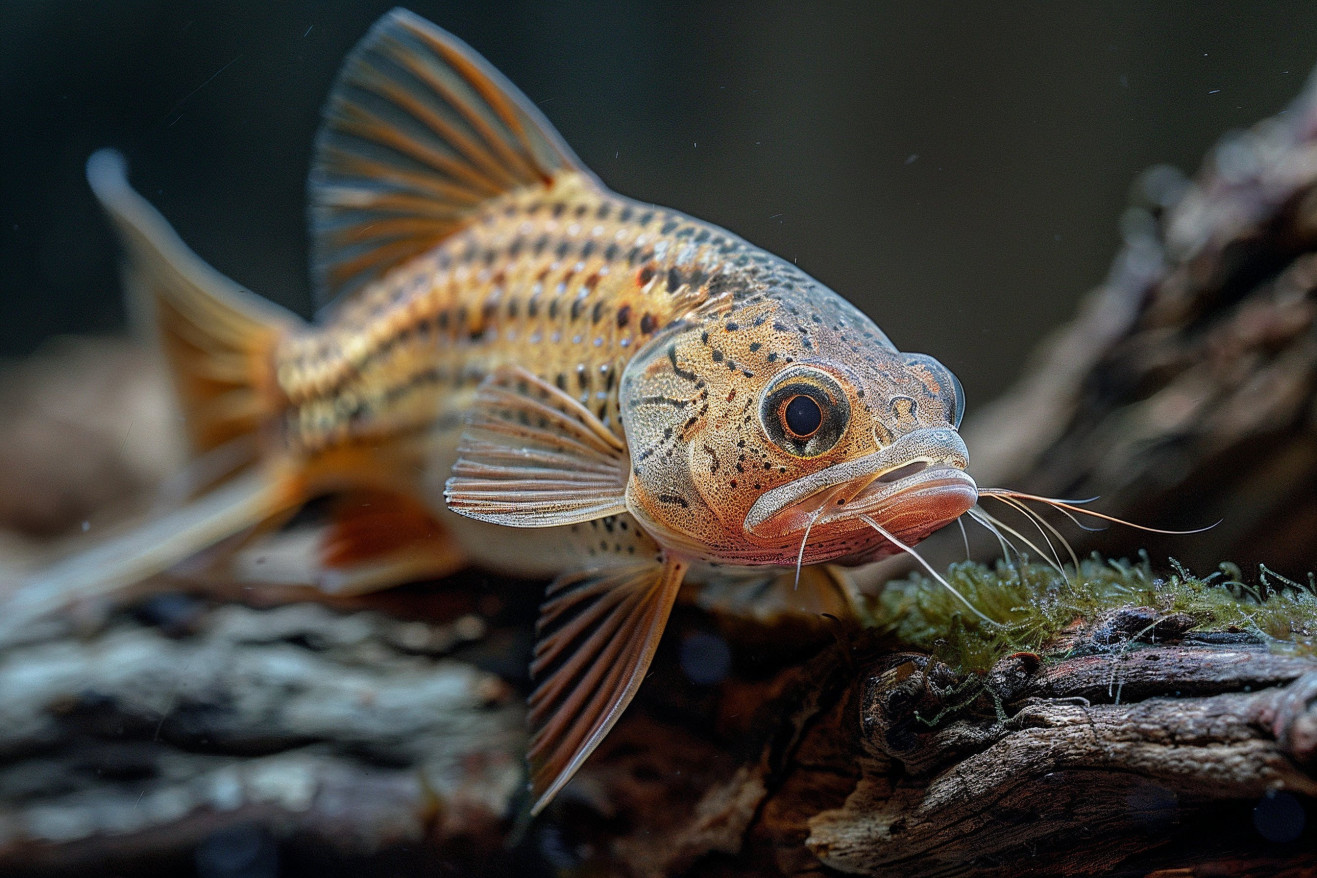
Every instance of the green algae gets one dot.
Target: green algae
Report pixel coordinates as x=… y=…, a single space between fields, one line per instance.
x=1034 y=603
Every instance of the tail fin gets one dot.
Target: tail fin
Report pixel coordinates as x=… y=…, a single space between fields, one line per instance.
x=218 y=339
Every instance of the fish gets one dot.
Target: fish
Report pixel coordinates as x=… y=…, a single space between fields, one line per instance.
x=521 y=370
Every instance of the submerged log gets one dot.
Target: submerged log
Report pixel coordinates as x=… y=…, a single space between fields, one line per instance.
x=1183 y=392
x=1144 y=733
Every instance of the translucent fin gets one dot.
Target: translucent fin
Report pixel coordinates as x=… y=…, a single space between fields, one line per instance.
x=379 y=540
x=419 y=131
x=531 y=456
x=597 y=635
x=218 y=338
x=149 y=548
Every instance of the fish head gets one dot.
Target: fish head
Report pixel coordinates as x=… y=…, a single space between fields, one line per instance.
x=757 y=431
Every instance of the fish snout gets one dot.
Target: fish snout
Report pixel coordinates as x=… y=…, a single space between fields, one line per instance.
x=925 y=467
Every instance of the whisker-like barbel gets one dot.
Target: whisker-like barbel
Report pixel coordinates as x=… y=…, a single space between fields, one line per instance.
x=1070 y=505
x=1040 y=523
x=909 y=550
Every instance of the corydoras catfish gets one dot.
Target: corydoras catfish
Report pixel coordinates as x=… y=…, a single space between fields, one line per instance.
x=525 y=371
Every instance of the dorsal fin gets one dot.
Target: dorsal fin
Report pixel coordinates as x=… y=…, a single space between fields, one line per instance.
x=419 y=131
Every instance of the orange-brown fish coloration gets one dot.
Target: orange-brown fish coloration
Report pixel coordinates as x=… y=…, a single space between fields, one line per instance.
x=540 y=377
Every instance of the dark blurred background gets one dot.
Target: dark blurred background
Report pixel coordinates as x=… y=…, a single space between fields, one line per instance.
x=957 y=169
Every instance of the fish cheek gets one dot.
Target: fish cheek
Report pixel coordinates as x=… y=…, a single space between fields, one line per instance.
x=663 y=405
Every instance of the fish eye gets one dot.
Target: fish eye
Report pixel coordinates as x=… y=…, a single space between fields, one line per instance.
x=802 y=416
x=804 y=411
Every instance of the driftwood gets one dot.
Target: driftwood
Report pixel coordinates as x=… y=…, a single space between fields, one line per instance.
x=198 y=735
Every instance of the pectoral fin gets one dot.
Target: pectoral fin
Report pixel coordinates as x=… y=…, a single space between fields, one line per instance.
x=597 y=634
x=531 y=456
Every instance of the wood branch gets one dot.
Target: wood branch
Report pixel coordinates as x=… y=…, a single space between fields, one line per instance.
x=249 y=732
x=1183 y=393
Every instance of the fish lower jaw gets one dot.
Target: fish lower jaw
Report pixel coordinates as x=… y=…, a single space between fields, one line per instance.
x=925 y=499
x=935 y=494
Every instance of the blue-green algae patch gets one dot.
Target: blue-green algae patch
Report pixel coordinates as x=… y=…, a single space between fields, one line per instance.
x=1034 y=604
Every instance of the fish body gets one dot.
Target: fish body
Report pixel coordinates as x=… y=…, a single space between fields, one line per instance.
x=524 y=370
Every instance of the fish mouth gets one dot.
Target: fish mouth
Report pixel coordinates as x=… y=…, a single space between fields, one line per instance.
x=913 y=487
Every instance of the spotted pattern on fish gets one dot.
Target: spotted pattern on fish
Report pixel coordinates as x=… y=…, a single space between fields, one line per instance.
x=572 y=280
x=525 y=370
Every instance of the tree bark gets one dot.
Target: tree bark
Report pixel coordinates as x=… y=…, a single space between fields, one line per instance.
x=203 y=735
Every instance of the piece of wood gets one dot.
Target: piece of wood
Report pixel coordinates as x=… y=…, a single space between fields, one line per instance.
x=1183 y=392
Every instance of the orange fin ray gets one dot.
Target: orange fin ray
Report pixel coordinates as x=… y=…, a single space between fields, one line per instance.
x=418 y=128
x=598 y=632
x=218 y=338
x=531 y=456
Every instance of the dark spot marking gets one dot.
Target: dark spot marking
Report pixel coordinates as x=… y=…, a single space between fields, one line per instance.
x=597 y=312
x=559 y=209
x=623 y=316
x=577 y=305
x=674 y=280
x=673 y=500
x=717 y=356
x=587 y=249
x=732 y=326
x=669 y=226
x=610 y=252
x=562 y=250
x=754 y=346
x=645 y=275
x=553 y=309
x=648 y=324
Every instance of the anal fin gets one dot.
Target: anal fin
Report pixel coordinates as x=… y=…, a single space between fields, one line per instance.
x=598 y=631
x=378 y=540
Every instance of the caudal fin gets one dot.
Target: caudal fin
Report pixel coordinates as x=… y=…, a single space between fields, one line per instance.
x=217 y=338
x=219 y=344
